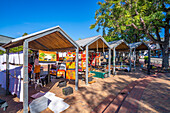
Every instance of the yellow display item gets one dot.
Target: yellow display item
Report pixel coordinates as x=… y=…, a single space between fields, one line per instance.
x=70 y=74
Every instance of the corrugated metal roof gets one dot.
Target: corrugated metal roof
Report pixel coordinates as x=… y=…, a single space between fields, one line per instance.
x=5 y=39
x=42 y=35
x=137 y=44
x=88 y=41
x=84 y=42
x=116 y=43
x=2 y=48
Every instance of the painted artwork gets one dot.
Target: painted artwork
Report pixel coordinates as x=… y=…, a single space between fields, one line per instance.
x=61 y=73
x=70 y=74
x=70 y=65
x=47 y=56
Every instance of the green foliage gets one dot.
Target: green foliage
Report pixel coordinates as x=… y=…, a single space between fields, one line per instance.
x=25 y=34
x=79 y=38
x=16 y=49
x=2 y=52
x=122 y=19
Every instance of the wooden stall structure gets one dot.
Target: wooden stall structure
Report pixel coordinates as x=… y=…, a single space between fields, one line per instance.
x=118 y=45
x=140 y=46
x=52 y=39
x=97 y=44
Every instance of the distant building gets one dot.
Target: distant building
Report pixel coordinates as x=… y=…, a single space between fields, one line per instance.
x=4 y=39
x=156 y=50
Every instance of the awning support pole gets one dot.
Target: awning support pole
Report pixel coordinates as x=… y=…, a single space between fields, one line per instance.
x=7 y=71
x=109 y=60
x=134 y=58
x=87 y=64
x=149 y=58
x=25 y=76
x=49 y=77
x=114 y=58
x=76 y=81
x=130 y=59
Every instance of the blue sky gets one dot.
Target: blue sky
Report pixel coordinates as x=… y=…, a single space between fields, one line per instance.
x=73 y=16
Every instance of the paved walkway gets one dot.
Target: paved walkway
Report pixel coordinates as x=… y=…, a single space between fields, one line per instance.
x=127 y=100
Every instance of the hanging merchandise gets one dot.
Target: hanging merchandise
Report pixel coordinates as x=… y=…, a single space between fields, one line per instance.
x=93 y=63
x=70 y=65
x=61 y=73
x=83 y=61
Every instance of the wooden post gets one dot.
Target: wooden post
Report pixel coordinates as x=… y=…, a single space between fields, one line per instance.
x=76 y=81
x=149 y=58
x=130 y=59
x=7 y=71
x=49 y=77
x=25 y=76
x=109 y=60
x=87 y=70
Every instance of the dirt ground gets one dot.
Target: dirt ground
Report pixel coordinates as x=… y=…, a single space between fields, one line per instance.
x=83 y=100
x=156 y=97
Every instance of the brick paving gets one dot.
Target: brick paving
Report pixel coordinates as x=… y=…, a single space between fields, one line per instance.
x=127 y=100
x=156 y=96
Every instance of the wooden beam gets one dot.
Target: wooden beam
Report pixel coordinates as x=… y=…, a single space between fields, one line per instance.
x=41 y=44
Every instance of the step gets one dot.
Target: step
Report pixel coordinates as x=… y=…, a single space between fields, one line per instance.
x=117 y=102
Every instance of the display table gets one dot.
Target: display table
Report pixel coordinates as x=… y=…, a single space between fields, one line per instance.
x=99 y=74
x=3 y=104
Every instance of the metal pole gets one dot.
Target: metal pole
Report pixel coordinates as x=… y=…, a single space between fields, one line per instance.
x=7 y=71
x=49 y=78
x=76 y=81
x=25 y=76
x=134 y=59
x=109 y=60
x=87 y=65
x=114 y=58
x=130 y=59
x=149 y=58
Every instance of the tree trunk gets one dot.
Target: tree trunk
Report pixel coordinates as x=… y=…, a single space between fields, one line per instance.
x=165 y=56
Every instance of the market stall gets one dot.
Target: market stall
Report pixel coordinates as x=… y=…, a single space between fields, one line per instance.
x=52 y=39
x=93 y=48
x=119 y=46
x=140 y=46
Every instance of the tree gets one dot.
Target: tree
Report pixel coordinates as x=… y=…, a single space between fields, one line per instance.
x=25 y=34
x=149 y=18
